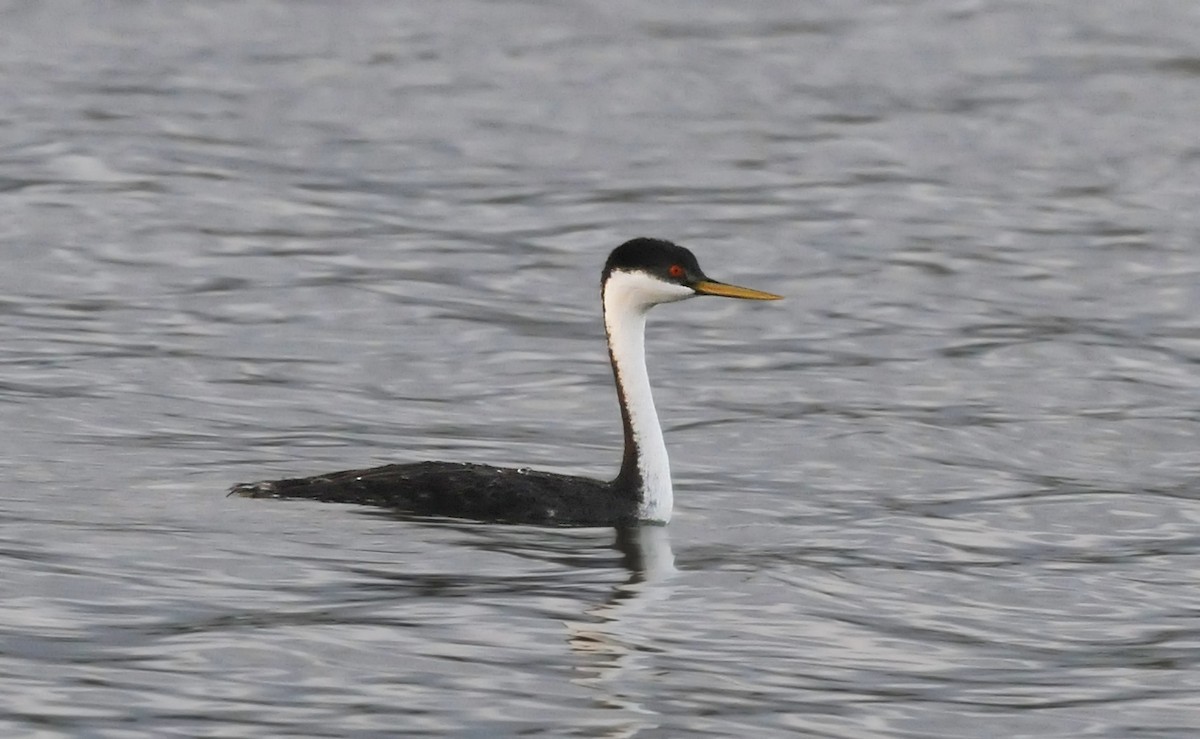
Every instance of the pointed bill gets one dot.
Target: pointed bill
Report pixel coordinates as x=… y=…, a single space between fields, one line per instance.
x=709 y=287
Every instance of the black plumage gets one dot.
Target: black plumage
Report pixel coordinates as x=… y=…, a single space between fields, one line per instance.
x=458 y=490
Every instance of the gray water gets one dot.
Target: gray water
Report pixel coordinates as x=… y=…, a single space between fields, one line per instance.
x=947 y=488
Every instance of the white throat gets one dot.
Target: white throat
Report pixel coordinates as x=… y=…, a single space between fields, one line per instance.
x=627 y=298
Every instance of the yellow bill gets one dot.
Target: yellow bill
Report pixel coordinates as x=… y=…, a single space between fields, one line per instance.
x=708 y=287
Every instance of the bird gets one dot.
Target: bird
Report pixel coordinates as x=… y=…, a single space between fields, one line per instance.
x=639 y=274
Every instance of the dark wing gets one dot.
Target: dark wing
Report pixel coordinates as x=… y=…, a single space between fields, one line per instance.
x=457 y=490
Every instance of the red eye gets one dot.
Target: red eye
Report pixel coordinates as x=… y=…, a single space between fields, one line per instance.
x=675 y=271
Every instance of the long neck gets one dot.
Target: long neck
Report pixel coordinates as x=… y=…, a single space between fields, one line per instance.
x=645 y=469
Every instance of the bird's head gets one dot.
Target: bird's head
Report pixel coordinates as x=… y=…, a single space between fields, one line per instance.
x=644 y=272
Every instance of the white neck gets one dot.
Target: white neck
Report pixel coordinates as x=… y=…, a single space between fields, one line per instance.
x=627 y=297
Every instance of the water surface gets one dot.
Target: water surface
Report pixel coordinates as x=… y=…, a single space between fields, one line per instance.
x=945 y=489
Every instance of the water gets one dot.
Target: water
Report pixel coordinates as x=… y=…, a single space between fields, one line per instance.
x=945 y=489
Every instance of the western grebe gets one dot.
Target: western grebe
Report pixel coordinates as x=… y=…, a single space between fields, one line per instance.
x=638 y=275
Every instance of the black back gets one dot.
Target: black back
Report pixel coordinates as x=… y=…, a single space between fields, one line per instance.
x=455 y=490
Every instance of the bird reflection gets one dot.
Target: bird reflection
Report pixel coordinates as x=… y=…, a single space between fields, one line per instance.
x=605 y=643
x=612 y=636
x=646 y=552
